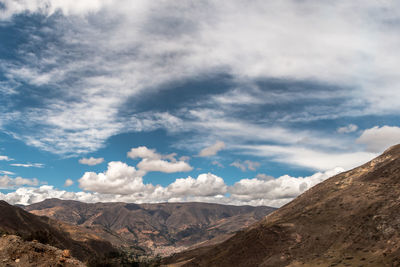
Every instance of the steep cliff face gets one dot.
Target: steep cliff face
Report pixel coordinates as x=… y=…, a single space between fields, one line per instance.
x=351 y=219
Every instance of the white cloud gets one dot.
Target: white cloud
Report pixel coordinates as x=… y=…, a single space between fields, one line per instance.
x=158 y=165
x=143 y=152
x=245 y=165
x=51 y=6
x=153 y=161
x=377 y=139
x=6 y=172
x=347 y=129
x=8 y=88
x=28 y=165
x=91 y=161
x=238 y=131
x=283 y=188
x=30 y=195
x=206 y=187
x=68 y=183
x=7 y=182
x=212 y=150
x=121 y=179
x=294 y=40
x=6 y=158
x=309 y=158
x=239 y=165
x=118 y=179
x=265 y=177
x=246 y=41
x=252 y=165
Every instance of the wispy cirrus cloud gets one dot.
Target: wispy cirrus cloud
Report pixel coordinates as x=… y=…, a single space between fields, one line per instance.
x=28 y=165
x=309 y=158
x=304 y=44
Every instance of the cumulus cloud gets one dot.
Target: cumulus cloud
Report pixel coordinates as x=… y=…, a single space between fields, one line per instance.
x=153 y=161
x=245 y=165
x=28 y=165
x=125 y=186
x=377 y=139
x=158 y=165
x=126 y=182
x=205 y=185
x=263 y=176
x=30 y=195
x=7 y=182
x=6 y=158
x=347 y=129
x=144 y=153
x=91 y=161
x=118 y=179
x=282 y=188
x=68 y=183
x=212 y=150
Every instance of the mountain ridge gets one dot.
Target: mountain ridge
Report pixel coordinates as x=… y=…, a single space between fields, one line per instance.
x=16 y=221
x=351 y=219
x=159 y=228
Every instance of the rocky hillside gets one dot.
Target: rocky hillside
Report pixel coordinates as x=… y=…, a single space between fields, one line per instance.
x=351 y=219
x=160 y=228
x=14 y=251
x=85 y=247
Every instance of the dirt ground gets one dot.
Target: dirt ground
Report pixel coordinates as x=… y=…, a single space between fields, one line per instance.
x=19 y=253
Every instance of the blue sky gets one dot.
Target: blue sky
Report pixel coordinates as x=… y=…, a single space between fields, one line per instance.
x=237 y=103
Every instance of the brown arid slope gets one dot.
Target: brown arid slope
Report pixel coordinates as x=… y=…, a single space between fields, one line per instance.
x=351 y=219
x=15 y=252
x=157 y=228
x=85 y=246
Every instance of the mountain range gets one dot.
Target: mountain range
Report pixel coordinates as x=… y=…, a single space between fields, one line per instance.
x=161 y=228
x=351 y=219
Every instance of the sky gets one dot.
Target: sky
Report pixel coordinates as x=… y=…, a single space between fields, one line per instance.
x=232 y=102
